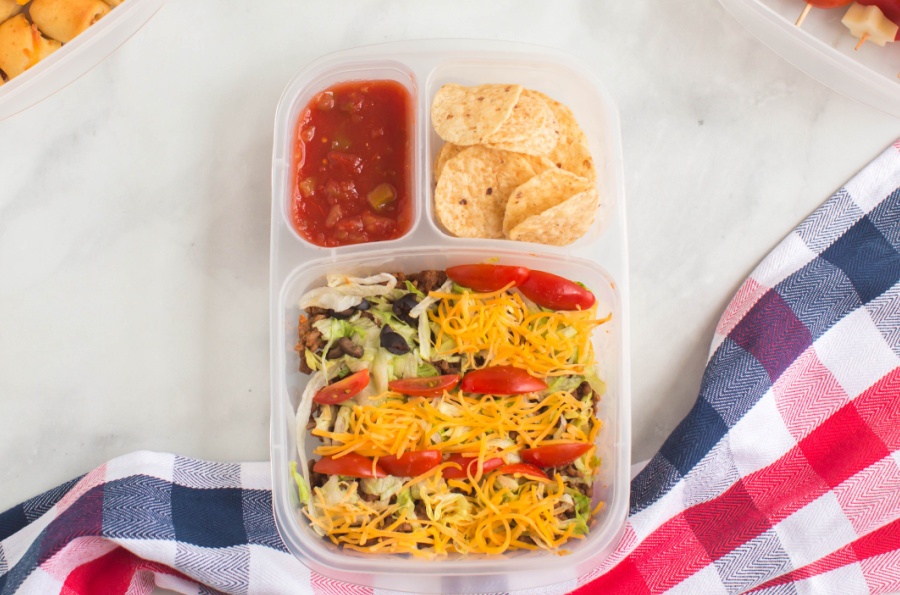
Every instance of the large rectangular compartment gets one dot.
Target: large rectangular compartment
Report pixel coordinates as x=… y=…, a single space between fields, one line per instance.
x=824 y=49
x=599 y=260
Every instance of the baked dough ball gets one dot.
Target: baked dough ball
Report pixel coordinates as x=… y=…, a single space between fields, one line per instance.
x=64 y=19
x=9 y=8
x=22 y=46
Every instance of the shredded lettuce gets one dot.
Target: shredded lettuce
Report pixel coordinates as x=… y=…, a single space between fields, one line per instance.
x=428 y=301
x=311 y=360
x=582 y=511
x=405 y=502
x=449 y=507
x=383 y=487
x=344 y=292
x=342 y=423
x=598 y=385
x=326 y=416
x=565 y=383
x=335 y=490
x=425 y=370
x=424 y=337
x=382 y=370
x=412 y=289
x=302 y=486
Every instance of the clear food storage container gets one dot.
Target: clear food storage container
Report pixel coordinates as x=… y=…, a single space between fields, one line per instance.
x=76 y=57
x=599 y=260
x=824 y=48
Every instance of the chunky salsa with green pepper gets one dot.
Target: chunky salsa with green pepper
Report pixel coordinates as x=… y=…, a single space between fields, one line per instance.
x=352 y=164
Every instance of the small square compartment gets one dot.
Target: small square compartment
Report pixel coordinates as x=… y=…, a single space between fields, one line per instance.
x=299 y=92
x=593 y=108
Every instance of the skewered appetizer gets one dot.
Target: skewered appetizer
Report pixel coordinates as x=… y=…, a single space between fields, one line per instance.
x=877 y=21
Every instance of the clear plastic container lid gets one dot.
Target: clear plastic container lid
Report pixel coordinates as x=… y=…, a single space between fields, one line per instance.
x=599 y=259
x=75 y=58
x=824 y=49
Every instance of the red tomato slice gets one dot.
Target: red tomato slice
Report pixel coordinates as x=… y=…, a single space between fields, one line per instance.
x=468 y=464
x=487 y=277
x=555 y=455
x=432 y=386
x=344 y=389
x=525 y=470
x=501 y=380
x=351 y=465
x=829 y=3
x=411 y=464
x=554 y=292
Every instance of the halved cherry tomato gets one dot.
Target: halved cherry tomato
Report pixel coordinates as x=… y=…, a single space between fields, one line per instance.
x=828 y=3
x=411 y=464
x=351 y=465
x=487 y=277
x=501 y=380
x=468 y=464
x=343 y=389
x=525 y=470
x=431 y=386
x=552 y=291
x=555 y=455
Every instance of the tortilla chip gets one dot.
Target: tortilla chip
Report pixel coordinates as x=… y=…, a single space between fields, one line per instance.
x=472 y=192
x=542 y=192
x=447 y=152
x=562 y=224
x=531 y=127
x=571 y=153
x=469 y=115
x=540 y=163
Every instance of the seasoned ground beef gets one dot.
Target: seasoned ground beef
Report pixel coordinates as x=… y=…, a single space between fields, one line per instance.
x=426 y=281
x=310 y=338
x=583 y=390
x=571 y=470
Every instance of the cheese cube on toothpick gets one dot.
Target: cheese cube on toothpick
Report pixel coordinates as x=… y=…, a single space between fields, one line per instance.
x=868 y=23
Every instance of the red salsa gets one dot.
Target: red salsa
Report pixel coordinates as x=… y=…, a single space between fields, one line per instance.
x=352 y=164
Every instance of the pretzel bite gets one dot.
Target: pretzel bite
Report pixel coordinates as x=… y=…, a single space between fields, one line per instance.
x=9 y=8
x=22 y=46
x=64 y=19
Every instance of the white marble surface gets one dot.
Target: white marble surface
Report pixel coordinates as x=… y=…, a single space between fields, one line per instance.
x=134 y=209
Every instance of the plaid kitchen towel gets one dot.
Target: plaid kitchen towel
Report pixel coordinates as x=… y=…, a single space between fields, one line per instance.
x=784 y=478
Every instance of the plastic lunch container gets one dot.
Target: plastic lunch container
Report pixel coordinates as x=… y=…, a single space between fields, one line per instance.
x=824 y=49
x=76 y=57
x=599 y=259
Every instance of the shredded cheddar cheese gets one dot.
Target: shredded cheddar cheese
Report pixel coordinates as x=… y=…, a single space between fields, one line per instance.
x=501 y=520
x=499 y=324
x=456 y=423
